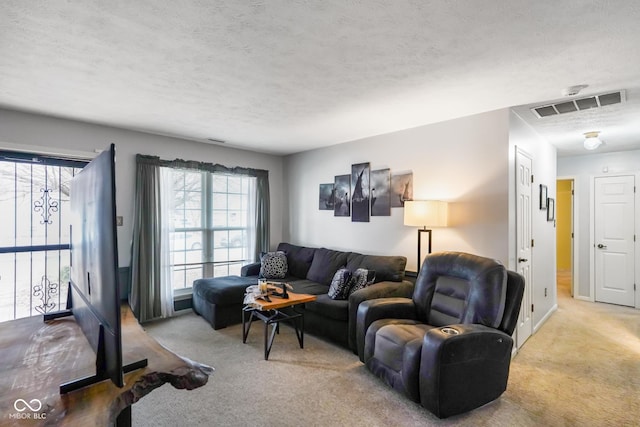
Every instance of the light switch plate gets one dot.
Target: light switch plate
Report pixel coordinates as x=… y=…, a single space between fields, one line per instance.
x=119 y=221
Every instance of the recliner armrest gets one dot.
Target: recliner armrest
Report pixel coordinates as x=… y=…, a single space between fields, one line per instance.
x=377 y=290
x=381 y=308
x=252 y=269
x=472 y=361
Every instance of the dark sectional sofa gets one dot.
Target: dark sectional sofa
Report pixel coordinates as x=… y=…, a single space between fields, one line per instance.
x=310 y=270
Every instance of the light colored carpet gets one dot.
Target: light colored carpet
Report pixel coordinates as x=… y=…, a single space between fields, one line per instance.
x=581 y=369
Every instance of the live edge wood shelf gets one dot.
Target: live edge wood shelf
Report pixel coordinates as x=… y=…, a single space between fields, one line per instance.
x=36 y=357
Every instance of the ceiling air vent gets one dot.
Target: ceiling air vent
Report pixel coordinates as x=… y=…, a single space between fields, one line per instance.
x=580 y=104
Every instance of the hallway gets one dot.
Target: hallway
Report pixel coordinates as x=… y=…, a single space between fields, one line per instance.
x=582 y=367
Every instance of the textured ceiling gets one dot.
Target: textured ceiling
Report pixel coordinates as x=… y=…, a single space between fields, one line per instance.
x=284 y=76
x=619 y=125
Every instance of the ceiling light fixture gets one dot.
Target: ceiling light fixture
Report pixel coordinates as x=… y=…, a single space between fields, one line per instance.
x=573 y=90
x=592 y=141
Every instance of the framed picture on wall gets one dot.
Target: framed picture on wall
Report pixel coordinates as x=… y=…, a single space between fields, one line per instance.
x=551 y=209
x=342 y=197
x=380 y=186
x=360 y=179
x=543 y=197
x=401 y=189
x=326 y=197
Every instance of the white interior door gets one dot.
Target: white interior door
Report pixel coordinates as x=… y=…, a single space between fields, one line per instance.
x=614 y=239
x=524 y=176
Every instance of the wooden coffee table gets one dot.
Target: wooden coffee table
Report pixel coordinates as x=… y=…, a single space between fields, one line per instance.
x=270 y=313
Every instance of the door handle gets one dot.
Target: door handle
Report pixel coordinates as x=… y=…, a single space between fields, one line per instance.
x=601 y=246
x=522 y=260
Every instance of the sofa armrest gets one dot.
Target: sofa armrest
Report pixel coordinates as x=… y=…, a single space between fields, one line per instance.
x=471 y=362
x=252 y=269
x=377 y=290
x=381 y=308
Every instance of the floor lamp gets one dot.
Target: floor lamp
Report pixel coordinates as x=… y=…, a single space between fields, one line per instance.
x=425 y=213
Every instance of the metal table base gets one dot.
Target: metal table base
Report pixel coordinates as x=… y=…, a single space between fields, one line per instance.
x=273 y=318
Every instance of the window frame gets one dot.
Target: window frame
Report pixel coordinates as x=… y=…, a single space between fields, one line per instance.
x=47 y=287
x=208 y=230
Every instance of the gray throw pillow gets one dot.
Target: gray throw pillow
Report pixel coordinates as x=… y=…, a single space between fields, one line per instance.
x=360 y=279
x=274 y=265
x=339 y=288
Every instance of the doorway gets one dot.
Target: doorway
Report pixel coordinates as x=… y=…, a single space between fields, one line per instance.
x=524 y=179
x=565 y=237
x=614 y=239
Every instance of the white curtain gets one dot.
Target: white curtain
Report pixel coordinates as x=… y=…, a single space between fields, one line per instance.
x=166 y=207
x=252 y=241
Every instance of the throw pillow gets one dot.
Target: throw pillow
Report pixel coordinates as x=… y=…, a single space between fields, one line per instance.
x=339 y=288
x=274 y=265
x=360 y=279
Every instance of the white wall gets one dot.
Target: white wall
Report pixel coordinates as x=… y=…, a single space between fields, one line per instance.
x=22 y=129
x=585 y=168
x=544 y=233
x=463 y=161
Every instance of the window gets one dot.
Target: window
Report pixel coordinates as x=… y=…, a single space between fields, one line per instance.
x=210 y=235
x=34 y=233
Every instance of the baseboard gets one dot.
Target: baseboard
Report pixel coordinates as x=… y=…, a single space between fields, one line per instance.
x=545 y=318
x=514 y=351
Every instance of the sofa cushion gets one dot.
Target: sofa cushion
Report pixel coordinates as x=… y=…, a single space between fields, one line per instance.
x=274 y=265
x=337 y=309
x=325 y=264
x=308 y=287
x=222 y=290
x=298 y=258
x=387 y=268
x=340 y=284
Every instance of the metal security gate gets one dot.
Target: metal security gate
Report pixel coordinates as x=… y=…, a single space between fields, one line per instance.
x=34 y=233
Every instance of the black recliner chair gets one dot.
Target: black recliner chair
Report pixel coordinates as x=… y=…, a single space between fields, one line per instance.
x=449 y=346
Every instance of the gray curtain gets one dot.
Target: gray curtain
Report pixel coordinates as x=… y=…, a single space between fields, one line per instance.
x=262 y=215
x=262 y=190
x=145 y=297
x=146 y=266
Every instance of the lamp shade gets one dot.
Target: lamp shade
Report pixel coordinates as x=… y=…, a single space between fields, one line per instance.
x=426 y=213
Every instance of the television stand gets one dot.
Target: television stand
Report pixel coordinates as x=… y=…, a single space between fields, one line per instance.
x=79 y=383
x=88 y=380
x=57 y=315
x=37 y=357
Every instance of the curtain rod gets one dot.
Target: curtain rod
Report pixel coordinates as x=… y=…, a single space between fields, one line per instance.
x=203 y=166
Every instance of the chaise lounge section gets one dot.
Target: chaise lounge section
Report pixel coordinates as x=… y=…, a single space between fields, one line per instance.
x=310 y=271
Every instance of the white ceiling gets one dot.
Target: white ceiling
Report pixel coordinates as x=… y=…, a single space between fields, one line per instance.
x=284 y=76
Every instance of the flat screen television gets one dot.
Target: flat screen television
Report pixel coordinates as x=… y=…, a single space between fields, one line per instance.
x=94 y=291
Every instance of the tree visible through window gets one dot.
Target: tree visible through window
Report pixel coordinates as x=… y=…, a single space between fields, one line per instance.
x=210 y=235
x=34 y=234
